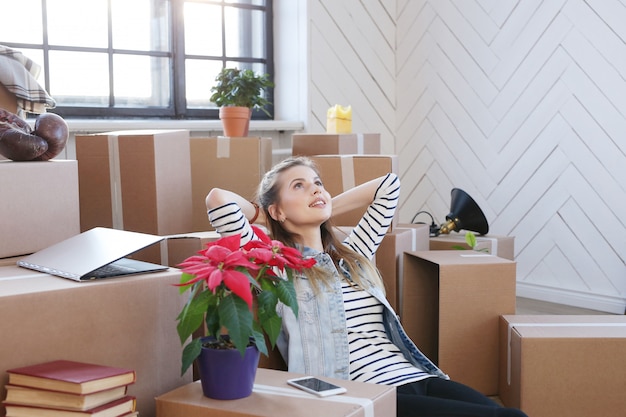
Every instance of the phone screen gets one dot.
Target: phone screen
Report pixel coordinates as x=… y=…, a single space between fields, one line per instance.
x=316 y=384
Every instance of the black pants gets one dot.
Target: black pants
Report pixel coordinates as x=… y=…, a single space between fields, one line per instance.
x=437 y=397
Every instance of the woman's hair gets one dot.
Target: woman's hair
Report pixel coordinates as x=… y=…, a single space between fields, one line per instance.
x=268 y=193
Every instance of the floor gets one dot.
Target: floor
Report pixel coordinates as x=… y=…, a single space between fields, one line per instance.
x=529 y=306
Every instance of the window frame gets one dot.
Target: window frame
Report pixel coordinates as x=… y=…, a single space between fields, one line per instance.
x=177 y=108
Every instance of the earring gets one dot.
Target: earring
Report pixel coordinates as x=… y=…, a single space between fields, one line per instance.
x=282 y=219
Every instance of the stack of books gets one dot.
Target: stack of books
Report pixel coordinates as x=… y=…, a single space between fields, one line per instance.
x=69 y=389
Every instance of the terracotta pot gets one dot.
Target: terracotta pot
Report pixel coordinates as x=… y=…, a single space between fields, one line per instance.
x=235 y=121
x=225 y=374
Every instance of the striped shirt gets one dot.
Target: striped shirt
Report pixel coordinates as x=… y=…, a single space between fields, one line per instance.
x=373 y=357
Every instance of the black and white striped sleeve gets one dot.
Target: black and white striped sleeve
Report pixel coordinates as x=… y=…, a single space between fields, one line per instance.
x=229 y=220
x=371 y=229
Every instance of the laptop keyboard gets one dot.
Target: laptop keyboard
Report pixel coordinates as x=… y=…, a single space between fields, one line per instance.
x=111 y=270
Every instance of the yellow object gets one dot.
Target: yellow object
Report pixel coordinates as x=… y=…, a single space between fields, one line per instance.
x=339 y=119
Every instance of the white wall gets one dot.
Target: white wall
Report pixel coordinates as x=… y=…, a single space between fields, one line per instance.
x=520 y=103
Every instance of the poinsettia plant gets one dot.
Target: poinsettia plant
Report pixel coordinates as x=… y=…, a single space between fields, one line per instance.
x=235 y=290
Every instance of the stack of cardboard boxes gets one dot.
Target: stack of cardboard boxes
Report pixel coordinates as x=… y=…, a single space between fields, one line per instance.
x=457 y=305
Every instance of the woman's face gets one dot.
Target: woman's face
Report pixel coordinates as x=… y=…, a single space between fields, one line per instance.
x=303 y=199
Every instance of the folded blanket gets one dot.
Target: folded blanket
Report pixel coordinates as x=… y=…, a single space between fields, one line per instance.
x=18 y=74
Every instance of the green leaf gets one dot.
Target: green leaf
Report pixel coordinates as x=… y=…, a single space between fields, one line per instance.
x=213 y=320
x=190 y=353
x=192 y=315
x=287 y=295
x=259 y=340
x=236 y=317
x=470 y=239
x=271 y=326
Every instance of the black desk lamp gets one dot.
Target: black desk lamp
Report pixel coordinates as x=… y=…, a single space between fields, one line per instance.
x=464 y=214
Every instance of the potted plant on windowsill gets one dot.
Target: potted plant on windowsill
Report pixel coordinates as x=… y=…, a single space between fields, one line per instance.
x=234 y=291
x=237 y=92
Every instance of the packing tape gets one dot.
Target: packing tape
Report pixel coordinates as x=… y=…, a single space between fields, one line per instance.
x=366 y=403
x=573 y=324
x=117 y=212
x=360 y=143
x=347 y=172
x=413 y=238
x=223 y=147
x=35 y=275
x=164 y=252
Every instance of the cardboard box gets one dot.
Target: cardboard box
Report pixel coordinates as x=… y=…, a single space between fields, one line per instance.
x=235 y=164
x=8 y=100
x=390 y=261
x=421 y=235
x=451 y=305
x=305 y=144
x=343 y=172
x=125 y=322
x=10 y=261
x=563 y=365
x=180 y=247
x=272 y=397
x=501 y=246
x=138 y=180
x=39 y=205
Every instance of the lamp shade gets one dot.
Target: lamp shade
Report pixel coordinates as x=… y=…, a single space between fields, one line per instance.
x=464 y=214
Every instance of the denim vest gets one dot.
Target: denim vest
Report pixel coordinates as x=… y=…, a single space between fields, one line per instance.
x=316 y=342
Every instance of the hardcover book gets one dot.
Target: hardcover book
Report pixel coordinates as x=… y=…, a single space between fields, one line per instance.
x=70 y=376
x=115 y=408
x=62 y=400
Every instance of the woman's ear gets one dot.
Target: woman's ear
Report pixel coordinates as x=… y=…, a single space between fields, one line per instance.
x=274 y=212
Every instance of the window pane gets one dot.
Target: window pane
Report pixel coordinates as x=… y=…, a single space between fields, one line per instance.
x=203 y=29
x=245 y=35
x=141 y=81
x=253 y=2
x=200 y=76
x=140 y=24
x=79 y=78
x=78 y=22
x=13 y=30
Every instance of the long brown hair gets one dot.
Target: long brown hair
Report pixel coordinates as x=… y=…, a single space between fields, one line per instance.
x=268 y=193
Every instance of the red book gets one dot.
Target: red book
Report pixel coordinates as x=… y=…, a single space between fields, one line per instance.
x=72 y=377
x=116 y=408
x=62 y=400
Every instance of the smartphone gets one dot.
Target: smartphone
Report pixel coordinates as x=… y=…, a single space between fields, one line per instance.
x=316 y=386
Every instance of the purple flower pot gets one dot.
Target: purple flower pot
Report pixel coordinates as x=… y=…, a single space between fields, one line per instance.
x=225 y=374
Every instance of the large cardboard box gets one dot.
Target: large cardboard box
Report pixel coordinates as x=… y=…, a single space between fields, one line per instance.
x=236 y=164
x=126 y=322
x=272 y=397
x=562 y=365
x=180 y=247
x=39 y=205
x=343 y=172
x=501 y=246
x=8 y=100
x=307 y=144
x=390 y=261
x=138 y=180
x=451 y=305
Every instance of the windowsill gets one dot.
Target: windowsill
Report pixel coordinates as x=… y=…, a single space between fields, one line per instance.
x=106 y=125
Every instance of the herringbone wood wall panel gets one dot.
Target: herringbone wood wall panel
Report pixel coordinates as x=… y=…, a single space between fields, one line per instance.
x=520 y=103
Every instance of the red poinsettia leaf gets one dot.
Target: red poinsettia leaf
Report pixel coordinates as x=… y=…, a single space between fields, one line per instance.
x=239 y=284
x=261 y=234
x=214 y=279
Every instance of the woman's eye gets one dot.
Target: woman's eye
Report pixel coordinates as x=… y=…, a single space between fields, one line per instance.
x=319 y=183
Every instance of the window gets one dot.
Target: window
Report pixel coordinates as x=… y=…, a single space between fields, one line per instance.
x=139 y=58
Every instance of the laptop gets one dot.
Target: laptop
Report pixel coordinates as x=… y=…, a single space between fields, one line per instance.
x=97 y=253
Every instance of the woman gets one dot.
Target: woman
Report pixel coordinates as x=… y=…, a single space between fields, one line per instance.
x=345 y=327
